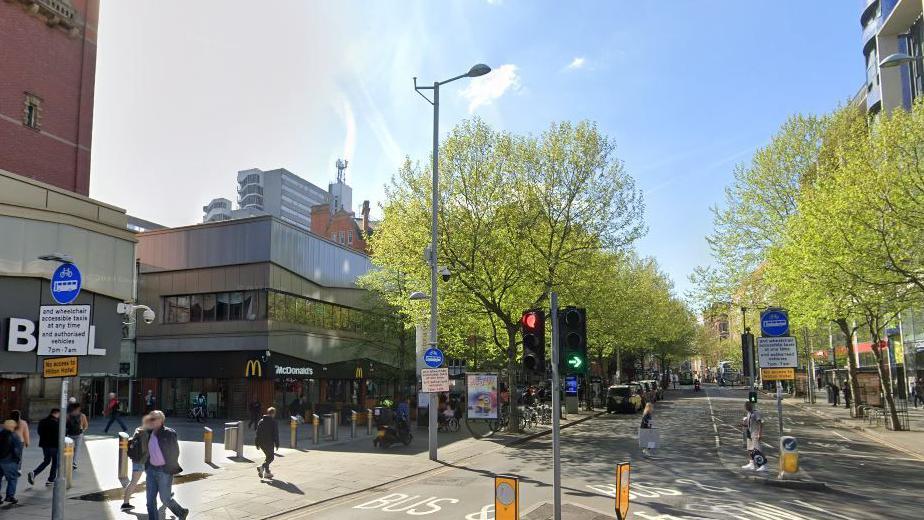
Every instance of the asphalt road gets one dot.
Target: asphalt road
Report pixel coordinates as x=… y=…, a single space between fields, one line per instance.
x=695 y=473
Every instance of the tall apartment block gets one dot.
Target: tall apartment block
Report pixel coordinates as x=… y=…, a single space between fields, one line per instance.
x=889 y=27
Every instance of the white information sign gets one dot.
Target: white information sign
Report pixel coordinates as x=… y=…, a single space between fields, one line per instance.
x=434 y=380
x=64 y=330
x=777 y=352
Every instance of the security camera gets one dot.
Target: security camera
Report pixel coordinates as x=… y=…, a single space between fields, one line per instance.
x=445 y=274
x=148 y=316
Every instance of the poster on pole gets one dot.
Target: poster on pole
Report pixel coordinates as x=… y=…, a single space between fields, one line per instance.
x=482 y=396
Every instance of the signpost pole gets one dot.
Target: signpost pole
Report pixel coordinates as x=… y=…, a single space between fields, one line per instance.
x=57 y=498
x=779 y=405
x=556 y=413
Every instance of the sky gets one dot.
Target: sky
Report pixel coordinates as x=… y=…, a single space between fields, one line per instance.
x=189 y=93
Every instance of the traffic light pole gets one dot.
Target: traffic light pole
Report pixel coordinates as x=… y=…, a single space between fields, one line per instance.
x=556 y=413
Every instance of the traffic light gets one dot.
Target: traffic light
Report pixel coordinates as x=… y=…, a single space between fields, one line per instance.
x=532 y=325
x=752 y=396
x=747 y=354
x=572 y=340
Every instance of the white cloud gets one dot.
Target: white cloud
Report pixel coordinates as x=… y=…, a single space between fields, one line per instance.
x=485 y=89
x=577 y=63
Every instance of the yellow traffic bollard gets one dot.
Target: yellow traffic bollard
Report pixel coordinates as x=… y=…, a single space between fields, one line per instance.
x=506 y=498
x=123 y=455
x=789 y=455
x=315 y=424
x=368 y=421
x=207 y=440
x=353 y=416
x=68 y=460
x=293 y=429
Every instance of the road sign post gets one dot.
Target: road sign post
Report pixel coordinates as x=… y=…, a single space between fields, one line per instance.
x=622 y=490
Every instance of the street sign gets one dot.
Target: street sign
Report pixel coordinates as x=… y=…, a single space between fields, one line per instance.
x=506 y=498
x=777 y=352
x=433 y=357
x=777 y=374
x=434 y=380
x=622 y=490
x=64 y=330
x=774 y=322
x=65 y=283
x=571 y=385
x=59 y=367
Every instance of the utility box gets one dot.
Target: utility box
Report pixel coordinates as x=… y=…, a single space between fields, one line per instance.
x=789 y=455
x=231 y=433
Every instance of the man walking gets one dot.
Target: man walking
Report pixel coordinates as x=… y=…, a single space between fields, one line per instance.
x=75 y=425
x=48 y=441
x=113 y=410
x=267 y=441
x=847 y=395
x=255 y=408
x=161 y=463
x=754 y=424
x=149 y=402
x=10 y=459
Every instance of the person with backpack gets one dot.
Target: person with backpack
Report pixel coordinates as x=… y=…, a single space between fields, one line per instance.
x=754 y=429
x=113 y=410
x=267 y=440
x=48 y=441
x=10 y=459
x=136 y=453
x=74 y=426
x=161 y=459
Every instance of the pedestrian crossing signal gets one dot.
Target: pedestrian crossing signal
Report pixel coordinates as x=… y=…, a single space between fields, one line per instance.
x=752 y=396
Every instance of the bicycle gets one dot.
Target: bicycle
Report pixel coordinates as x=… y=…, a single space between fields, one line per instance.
x=195 y=413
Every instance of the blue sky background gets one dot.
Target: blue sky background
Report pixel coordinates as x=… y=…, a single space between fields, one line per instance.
x=190 y=92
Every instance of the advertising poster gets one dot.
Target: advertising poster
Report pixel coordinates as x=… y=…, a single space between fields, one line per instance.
x=482 y=396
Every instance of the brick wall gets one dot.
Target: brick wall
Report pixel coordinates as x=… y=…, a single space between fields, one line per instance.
x=57 y=64
x=331 y=226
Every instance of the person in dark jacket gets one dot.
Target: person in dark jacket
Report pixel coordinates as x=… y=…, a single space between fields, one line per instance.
x=10 y=458
x=267 y=441
x=48 y=441
x=255 y=408
x=161 y=459
x=847 y=395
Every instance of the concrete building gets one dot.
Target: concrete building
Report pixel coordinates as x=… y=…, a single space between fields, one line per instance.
x=261 y=309
x=48 y=68
x=891 y=26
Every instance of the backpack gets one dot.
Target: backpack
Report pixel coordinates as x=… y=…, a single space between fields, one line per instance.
x=758 y=457
x=72 y=427
x=134 y=448
x=6 y=444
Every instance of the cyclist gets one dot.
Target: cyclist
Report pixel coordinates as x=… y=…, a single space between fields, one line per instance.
x=199 y=407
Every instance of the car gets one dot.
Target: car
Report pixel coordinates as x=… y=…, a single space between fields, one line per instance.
x=622 y=398
x=639 y=389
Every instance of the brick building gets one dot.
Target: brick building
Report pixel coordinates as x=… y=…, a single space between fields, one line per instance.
x=342 y=226
x=47 y=72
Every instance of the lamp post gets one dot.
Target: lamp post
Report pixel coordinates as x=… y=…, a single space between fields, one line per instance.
x=477 y=70
x=898 y=59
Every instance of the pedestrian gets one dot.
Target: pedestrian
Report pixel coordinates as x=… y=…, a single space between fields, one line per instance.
x=114 y=411
x=75 y=425
x=754 y=429
x=48 y=441
x=644 y=436
x=835 y=394
x=267 y=440
x=149 y=402
x=10 y=458
x=22 y=427
x=255 y=408
x=847 y=395
x=918 y=392
x=137 y=452
x=200 y=407
x=674 y=380
x=161 y=463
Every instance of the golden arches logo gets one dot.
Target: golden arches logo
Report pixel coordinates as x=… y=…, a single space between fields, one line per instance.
x=253 y=368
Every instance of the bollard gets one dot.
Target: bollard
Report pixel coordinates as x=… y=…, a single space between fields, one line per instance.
x=240 y=439
x=353 y=424
x=293 y=429
x=123 y=455
x=207 y=440
x=335 y=431
x=68 y=461
x=315 y=423
x=368 y=421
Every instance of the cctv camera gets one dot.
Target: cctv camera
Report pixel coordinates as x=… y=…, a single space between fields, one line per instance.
x=148 y=316
x=445 y=273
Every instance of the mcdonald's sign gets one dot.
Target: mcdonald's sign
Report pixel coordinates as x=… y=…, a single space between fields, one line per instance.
x=358 y=373
x=253 y=368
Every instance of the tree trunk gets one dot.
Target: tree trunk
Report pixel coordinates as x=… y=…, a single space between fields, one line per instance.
x=885 y=383
x=851 y=367
x=514 y=425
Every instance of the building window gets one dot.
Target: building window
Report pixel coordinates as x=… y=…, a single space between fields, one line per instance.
x=350 y=236
x=333 y=237
x=225 y=306
x=340 y=236
x=32 y=112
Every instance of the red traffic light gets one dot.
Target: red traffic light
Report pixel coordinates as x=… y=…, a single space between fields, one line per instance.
x=531 y=320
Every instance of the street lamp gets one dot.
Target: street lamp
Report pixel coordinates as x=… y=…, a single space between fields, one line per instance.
x=898 y=59
x=58 y=257
x=477 y=70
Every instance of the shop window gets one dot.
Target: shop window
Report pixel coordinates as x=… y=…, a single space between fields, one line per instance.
x=182 y=309
x=195 y=308
x=170 y=309
x=208 y=307
x=235 y=306
x=221 y=306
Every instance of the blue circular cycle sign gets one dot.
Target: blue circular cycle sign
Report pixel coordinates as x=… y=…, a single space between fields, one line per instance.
x=774 y=322
x=65 y=283
x=433 y=358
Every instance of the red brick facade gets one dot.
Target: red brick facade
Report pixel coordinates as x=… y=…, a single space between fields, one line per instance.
x=48 y=56
x=342 y=227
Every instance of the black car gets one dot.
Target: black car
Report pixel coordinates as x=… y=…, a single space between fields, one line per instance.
x=622 y=398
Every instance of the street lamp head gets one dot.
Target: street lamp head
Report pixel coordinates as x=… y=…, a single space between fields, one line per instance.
x=417 y=295
x=478 y=70
x=57 y=257
x=896 y=60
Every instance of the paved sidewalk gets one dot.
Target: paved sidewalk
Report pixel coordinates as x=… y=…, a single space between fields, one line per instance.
x=230 y=489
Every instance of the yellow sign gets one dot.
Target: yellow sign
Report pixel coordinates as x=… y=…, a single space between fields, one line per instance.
x=622 y=490
x=59 y=367
x=777 y=374
x=506 y=498
x=253 y=368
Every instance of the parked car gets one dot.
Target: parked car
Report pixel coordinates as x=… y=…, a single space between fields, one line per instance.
x=622 y=398
x=638 y=388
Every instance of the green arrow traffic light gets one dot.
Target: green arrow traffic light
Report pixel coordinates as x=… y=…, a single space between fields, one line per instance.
x=575 y=362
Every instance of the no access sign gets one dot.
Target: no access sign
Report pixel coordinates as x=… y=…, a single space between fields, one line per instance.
x=777 y=352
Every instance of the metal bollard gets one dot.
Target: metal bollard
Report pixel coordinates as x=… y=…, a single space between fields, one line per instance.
x=68 y=460
x=368 y=421
x=123 y=455
x=240 y=439
x=207 y=440
x=336 y=425
x=293 y=429
x=315 y=423
x=353 y=424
